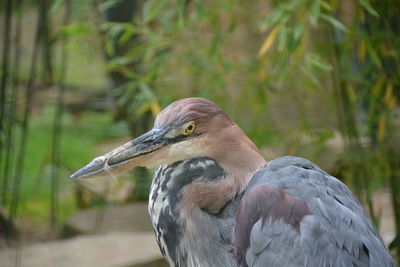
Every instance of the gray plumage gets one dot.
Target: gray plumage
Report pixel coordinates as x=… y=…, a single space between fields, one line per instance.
x=335 y=231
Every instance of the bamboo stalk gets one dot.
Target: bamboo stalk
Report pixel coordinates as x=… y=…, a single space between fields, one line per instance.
x=11 y=121
x=3 y=85
x=21 y=153
x=57 y=123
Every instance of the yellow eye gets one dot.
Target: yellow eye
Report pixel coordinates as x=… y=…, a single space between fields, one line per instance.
x=189 y=128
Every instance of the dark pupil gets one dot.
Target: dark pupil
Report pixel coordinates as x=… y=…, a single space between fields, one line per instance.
x=190 y=127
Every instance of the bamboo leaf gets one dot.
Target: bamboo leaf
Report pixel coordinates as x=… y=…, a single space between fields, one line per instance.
x=283 y=39
x=326 y=6
x=109 y=4
x=298 y=31
x=74 y=29
x=269 y=40
x=151 y=9
x=273 y=18
x=127 y=32
x=376 y=89
x=374 y=55
x=317 y=62
x=334 y=22
x=109 y=47
x=368 y=7
x=56 y=5
x=181 y=13
x=381 y=126
x=390 y=99
x=315 y=13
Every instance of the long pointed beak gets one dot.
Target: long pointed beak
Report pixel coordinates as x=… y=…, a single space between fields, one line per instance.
x=124 y=157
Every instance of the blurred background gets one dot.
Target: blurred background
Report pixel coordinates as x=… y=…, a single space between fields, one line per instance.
x=313 y=78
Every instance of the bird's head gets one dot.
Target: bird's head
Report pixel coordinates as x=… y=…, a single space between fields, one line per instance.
x=186 y=129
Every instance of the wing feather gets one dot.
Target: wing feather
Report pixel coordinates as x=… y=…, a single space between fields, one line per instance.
x=295 y=214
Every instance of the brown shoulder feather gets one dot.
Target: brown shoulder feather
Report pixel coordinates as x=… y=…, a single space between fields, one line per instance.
x=265 y=202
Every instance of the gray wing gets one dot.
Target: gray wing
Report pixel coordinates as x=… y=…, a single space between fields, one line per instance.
x=295 y=214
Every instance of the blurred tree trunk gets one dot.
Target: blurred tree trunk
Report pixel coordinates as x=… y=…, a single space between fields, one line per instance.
x=5 y=62
x=46 y=42
x=125 y=11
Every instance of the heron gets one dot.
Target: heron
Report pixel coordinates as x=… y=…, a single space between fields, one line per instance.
x=215 y=200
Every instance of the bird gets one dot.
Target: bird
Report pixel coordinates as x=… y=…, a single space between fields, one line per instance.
x=216 y=201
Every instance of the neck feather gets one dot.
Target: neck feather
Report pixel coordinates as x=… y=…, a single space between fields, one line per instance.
x=237 y=155
x=189 y=199
x=188 y=234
